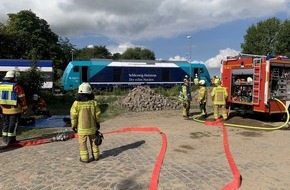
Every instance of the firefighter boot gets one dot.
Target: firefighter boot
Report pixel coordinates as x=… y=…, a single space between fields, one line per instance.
x=84 y=161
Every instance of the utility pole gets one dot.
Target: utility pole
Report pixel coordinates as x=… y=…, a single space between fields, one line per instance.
x=189 y=38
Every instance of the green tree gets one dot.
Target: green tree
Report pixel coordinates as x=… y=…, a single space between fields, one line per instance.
x=138 y=53
x=116 y=56
x=262 y=38
x=97 y=52
x=64 y=54
x=283 y=39
x=31 y=81
x=31 y=34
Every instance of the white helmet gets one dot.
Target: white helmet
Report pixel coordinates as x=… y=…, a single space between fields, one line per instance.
x=201 y=82
x=11 y=74
x=35 y=97
x=85 y=88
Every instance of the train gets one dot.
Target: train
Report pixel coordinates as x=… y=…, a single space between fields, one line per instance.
x=23 y=65
x=110 y=74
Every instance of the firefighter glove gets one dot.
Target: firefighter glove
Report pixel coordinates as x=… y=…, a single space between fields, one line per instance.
x=75 y=129
x=99 y=138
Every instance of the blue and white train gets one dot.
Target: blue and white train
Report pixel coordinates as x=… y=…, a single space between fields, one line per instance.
x=21 y=65
x=107 y=74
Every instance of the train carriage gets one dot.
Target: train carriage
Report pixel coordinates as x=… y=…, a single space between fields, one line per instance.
x=21 y=65
x=107 y=74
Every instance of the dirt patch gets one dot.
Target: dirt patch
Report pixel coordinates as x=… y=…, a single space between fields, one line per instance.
x=187 y=147
x=250 y=134
x=197 y=135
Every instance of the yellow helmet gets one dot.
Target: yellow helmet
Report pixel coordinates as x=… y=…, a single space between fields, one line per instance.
x=217 y=81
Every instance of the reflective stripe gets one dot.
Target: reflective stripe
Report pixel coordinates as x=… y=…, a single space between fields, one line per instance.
x=84 y=155
x=202 y=95
x=4 y=133
x=84 y=115
x=96 y=152
x=11 y=134
x=186 y=92
x=219 y=96
x=180 y=96
x=8 y=95
x=12 y=110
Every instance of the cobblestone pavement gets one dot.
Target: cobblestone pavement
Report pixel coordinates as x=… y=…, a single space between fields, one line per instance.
x=194 y=160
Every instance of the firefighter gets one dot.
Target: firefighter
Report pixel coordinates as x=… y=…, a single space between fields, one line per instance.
x=195 y=80
x=219 y=95
x=215 y=80
x=186 y=92
x=13 y=105
x=39 y=106
x=84 y=115
x=202 y=98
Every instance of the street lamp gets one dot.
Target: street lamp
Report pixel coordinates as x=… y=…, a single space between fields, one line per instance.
x=72 y=54
x=189 y=38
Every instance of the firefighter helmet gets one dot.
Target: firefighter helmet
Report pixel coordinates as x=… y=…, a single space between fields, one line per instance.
x=85 y=88
x=201 y=82
x=11 y=74
x=35 y=97
x=99 y=138
x=217 y=81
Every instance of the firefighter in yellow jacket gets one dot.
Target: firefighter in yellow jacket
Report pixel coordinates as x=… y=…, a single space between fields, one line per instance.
x=202 y=98
x=186 y=92
x=13 y=105
x=84 y=115
x=219 y=96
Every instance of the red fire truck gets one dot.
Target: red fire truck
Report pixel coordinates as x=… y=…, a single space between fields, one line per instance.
x=254 y=82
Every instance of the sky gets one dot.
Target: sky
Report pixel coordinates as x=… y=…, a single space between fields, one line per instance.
x=204 y=31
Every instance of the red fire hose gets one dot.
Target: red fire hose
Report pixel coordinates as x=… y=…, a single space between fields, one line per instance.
x=236 y=182
x=158 y=163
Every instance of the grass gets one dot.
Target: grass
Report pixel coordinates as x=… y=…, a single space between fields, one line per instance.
x=60 y=105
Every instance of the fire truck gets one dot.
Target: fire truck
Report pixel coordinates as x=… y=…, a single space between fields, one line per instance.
x=254 y=82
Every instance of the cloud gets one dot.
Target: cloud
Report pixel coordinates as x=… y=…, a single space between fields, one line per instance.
x=131 y=20
x=215 y=62
x=177 y=58
x=121 y=47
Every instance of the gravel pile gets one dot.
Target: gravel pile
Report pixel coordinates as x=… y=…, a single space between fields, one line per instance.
x=143 y=98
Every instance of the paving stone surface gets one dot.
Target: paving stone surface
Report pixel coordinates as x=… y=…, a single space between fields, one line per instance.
x=194 y=159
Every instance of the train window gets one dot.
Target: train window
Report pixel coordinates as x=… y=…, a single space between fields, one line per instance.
x=165 y=75
x=85 y=74
x=76 y=69
x=201 y=70
x=117 y=75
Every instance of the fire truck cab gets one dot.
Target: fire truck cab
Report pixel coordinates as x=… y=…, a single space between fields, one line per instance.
x=254 y=81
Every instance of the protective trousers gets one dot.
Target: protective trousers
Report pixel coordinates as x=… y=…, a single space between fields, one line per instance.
x=186 y=108
x=202 y=107
x=216 y=111
x=84 y=152
x=10 y=124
